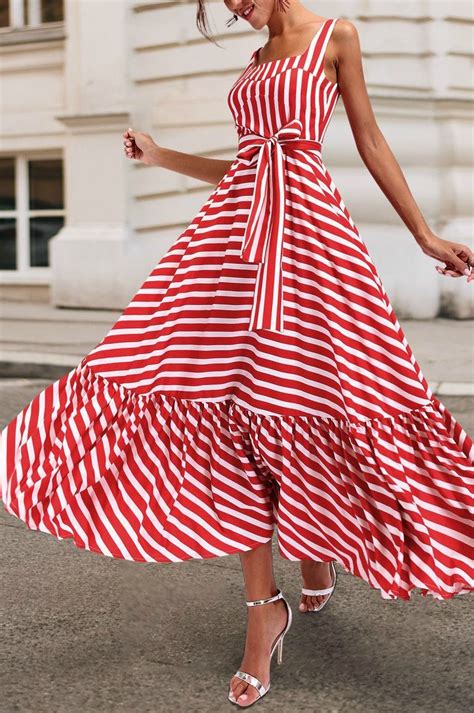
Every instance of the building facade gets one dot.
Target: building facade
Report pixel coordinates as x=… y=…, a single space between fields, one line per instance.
x=82 y=225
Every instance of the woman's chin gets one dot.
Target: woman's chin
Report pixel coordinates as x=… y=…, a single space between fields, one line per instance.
x=257 y=23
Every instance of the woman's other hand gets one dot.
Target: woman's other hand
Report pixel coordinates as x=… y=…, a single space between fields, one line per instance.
x=458 y=258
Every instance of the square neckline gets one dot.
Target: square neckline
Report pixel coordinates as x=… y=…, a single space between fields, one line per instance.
x=294 y=56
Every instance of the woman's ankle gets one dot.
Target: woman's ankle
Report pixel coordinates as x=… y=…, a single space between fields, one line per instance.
x=257 y=593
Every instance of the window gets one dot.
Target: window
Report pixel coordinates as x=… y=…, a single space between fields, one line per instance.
x=7 y=214
x=31 y=210
x=29 y=13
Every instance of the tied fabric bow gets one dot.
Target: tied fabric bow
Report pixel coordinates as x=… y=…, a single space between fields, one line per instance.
x=263 y=237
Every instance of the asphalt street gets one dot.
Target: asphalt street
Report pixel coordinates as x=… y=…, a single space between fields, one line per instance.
x=83 y=633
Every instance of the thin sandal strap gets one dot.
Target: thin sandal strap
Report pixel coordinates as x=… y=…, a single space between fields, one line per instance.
x=253 y=682
x=257 y=602
x=317 y=592
x=321 y=592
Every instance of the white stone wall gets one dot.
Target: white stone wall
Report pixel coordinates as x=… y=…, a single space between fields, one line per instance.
x=144 y=64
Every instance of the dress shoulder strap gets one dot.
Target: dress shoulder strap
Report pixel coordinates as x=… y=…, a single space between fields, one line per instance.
x=314 y=57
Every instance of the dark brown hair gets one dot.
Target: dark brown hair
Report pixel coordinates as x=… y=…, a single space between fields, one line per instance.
x=202 y=21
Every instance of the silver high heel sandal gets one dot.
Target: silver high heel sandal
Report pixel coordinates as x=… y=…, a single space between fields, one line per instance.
x=277 y=644
x=321 y=592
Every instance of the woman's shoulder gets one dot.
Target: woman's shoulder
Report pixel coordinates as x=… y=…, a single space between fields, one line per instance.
x=344 y=30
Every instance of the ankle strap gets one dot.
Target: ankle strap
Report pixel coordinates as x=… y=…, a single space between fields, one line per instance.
x=256 y=602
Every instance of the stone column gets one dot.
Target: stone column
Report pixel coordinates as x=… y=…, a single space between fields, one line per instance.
x=89 y=256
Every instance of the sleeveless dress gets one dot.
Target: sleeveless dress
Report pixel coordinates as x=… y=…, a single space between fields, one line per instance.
x=258 y=378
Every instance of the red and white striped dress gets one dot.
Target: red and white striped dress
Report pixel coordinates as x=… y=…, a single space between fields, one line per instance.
x=258 y=377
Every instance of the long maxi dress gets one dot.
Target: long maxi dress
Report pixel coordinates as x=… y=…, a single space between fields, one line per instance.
x=258 y=378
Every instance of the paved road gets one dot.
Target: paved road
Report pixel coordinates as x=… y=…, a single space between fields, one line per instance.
x=82 y=633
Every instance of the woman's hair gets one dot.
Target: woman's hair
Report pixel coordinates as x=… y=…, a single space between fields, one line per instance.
x=202 y=21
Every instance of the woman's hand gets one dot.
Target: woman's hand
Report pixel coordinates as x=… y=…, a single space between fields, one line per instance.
x=458 y=258
x=140 y=146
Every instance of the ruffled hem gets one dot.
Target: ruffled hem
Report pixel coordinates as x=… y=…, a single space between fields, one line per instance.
x=157 y=478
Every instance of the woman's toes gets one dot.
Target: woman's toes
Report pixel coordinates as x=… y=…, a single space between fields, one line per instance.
x=318 y=601
x=238 y=690
x=303 y=603
x=248 y=696
x=233 y=684
x=237 y=687
x=311 y=603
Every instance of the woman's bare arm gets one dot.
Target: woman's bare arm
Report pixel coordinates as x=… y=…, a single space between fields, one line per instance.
x=141 y=146
x=345 y=54
x=210 y=170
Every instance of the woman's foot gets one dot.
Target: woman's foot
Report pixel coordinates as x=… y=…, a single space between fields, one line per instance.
x=264 y=623
x=316 y=575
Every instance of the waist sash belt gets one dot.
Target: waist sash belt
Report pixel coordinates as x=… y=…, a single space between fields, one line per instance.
x=263 y=236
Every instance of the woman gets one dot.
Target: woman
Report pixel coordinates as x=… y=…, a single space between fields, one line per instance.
x=259 y=375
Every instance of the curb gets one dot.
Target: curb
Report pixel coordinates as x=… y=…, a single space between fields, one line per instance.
x=452 y=388
x=37 y=365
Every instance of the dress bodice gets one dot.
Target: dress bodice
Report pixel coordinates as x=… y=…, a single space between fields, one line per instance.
x=270 y=95
x=281 y=110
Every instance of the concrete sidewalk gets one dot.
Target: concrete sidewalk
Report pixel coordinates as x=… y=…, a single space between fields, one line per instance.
x=41 y=341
